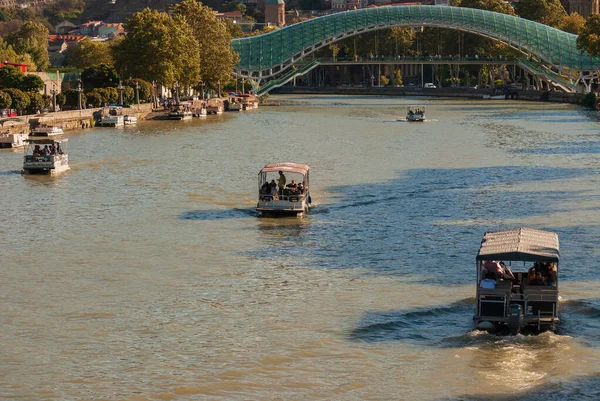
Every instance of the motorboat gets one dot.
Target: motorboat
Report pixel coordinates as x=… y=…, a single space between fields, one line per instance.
x=201 y=112
x=234 y=104
x=46 y=130
x=283 y=189
x=46 y=156
x=129 y=119
x=10 y=139
x=415 y=113
x=112 y=117
x=180 y=113
x=517 y=281
x=249 y=101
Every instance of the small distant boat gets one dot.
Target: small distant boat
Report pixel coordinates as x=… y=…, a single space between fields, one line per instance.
x=249 y=102
x=129 y=120
x=494 y=97
x=180 y=113
x=13 y=140
x=201 y=112
x=214 y=106
x=46 y=156
x=415 y=114
x=283 y=189
x=46 y=130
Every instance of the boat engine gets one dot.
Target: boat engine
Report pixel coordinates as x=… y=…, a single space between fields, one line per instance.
x=515 y=318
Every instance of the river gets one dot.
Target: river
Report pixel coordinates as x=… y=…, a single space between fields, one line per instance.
x=144 y=273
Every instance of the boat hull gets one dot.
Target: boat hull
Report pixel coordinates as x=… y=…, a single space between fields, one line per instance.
x=12 y=140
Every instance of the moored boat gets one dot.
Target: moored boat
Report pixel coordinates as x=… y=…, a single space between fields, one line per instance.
x=214 y=106
x=510 y=294
x=46 y=156
x=283 y=189
x=180 y=113
x=112 y=116
x=10 y=139
x=46 y=130
x=129 y=119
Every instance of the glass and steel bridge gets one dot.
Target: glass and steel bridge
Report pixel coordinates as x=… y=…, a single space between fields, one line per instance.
x=270 y=55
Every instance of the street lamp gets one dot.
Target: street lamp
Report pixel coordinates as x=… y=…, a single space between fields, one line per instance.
x=137 y=92
x=154 y=97
x=120 y=88
x=79 y=90
x=219 y=88
x=54 y=92
x=372 y=81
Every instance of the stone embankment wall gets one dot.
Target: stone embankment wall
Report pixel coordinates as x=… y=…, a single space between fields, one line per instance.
x=540 y=96
x=69 y=120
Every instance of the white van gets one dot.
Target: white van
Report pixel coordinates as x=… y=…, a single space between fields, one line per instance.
x=429 y=85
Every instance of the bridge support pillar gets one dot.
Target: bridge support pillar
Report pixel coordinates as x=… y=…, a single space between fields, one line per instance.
x=255 y=84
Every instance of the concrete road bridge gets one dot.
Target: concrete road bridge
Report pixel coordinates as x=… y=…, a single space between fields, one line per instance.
x=549 y=53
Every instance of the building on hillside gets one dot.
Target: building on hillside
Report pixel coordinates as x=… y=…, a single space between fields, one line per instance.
x=275 y=12
x=110 y=30
x=58 y=45
x=585 y=8
x=90 y=28
x=233 y=16
x=64 y=27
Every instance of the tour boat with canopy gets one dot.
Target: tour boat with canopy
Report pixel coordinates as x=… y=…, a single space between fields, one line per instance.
x=415 y=113
x=283 y=189
x=46 y=130
x=46 y=156
x=517 y=280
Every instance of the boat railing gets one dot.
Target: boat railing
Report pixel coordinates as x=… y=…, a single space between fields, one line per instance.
x=290 y=197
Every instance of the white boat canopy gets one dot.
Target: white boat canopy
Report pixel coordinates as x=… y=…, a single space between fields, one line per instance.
x=286 y=167
x=520 y=244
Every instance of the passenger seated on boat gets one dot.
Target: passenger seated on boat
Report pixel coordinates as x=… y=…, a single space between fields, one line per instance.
x=265 y=189
x=538 y=280
x=551 y=276
x=300 y=188
x=37 y=151
x=292 y=184
x=489 y=281
x=498 y=270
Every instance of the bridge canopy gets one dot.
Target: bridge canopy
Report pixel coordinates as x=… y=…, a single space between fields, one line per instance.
x=284 y=46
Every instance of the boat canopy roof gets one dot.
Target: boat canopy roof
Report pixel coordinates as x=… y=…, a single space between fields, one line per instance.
x=520 y=244
x=286 y=167
x=46 y=141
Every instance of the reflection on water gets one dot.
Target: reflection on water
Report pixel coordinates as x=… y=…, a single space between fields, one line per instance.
x=145 y=272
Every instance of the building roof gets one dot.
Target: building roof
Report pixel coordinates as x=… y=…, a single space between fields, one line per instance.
x=520 y=244
x=90 y=23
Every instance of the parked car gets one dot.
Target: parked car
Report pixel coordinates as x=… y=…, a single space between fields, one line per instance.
x=430 y=85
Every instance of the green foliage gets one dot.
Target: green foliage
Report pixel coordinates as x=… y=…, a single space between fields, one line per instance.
x=61 y=100
x=10 y=77
x=161 y=48
x=590 y=100
x=36 y=103
x=101 y=76
x=548 y=12
x=384 y=80
x=7 y=53
x=146 y=89
x=128 y=95
x=5 y=100
x=61 y=10
x=499 y=6
x=71 y=99
x=589 y=39
x=217 y=58
x=19 y=99
x=398 y=77
x=234 y=29
x=31 y=83
x=573 y=23
x=94 y=98
x=47 y=101
x=32 y=38
x=109 y=95
x=88 y=54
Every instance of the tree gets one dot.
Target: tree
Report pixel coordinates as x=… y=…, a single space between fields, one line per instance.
x=5 y=100
x=573 y=23
x=31 y=83
x=384 y=80
x=32 y=38
x=36 y=103
x=146 y=90
x=234 y=29
x=61 y=10
x=19 y=99
x=160 y=48
x=335 y=50
x=548 y=12
x=10 y=77
x=589 y=38
x=217 y=58
x=101 y=76
x=499 y=6
x=88 y=54
x=61 y=99
x=94 y=98
x=398 y=77
x=128 y=95
x=9 y=54
x=109 y=95
x=72 y=98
